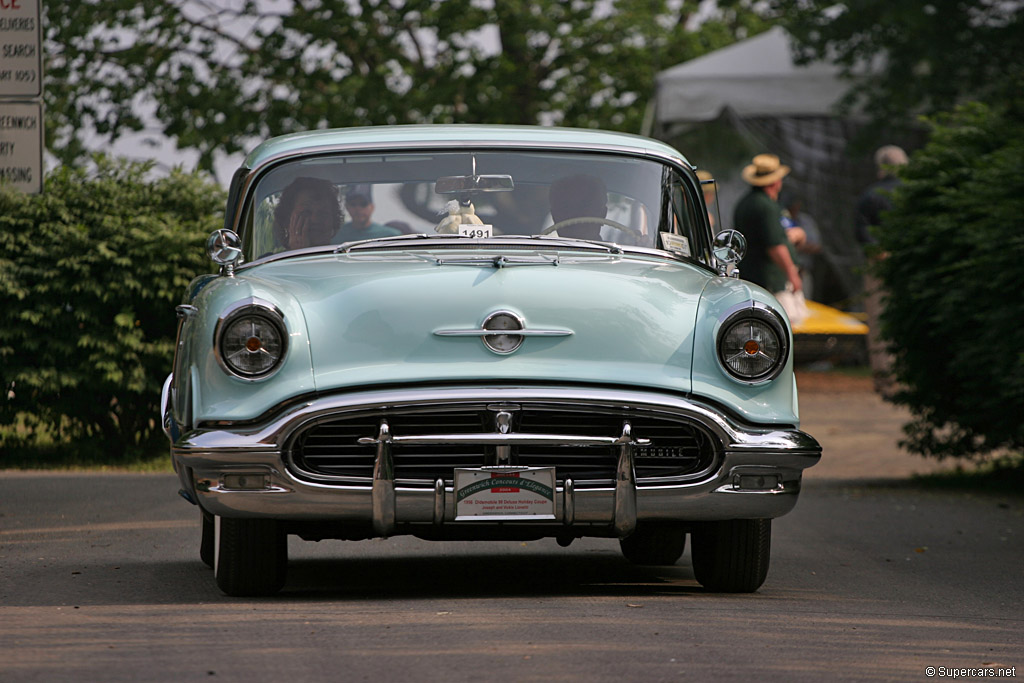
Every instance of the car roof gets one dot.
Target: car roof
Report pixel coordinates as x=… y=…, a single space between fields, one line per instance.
x=375 y=137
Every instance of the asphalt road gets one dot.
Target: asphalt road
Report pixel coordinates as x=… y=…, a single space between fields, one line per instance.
x=100 y=581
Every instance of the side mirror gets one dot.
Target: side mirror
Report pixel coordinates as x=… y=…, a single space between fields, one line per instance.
x=730 y=247
x=224 y=248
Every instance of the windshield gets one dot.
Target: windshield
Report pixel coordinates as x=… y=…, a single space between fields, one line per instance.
x=334 y=199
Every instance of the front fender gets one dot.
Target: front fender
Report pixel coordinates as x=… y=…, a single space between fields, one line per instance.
x=772 y=402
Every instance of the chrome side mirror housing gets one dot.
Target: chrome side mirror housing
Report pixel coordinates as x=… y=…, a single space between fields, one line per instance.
x=730 y=247
x=225 y=249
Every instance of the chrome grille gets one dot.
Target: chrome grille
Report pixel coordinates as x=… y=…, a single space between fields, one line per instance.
x=330 y=448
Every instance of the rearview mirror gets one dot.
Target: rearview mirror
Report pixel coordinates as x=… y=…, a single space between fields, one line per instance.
x=471 y=184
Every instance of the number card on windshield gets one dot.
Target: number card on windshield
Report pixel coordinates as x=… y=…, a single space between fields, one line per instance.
x=478 y=231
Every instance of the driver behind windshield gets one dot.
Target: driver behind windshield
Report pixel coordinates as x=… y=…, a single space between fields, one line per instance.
x=579 y=196
x=308 y=214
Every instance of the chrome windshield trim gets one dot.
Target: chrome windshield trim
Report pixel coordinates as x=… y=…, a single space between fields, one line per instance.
x=456 y=143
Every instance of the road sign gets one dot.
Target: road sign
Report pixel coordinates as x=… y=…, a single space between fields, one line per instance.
x=21 y=145
x=21 y=59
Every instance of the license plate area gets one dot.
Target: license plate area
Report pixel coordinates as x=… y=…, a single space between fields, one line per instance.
x=504 y=494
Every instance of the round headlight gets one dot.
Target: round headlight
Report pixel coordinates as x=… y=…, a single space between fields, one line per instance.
x=752 y=345
x=251 y=342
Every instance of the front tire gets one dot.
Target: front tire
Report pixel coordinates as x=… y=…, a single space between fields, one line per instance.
x=207 y=550
x=732 y=556
x=251 y=556
x=654 y=544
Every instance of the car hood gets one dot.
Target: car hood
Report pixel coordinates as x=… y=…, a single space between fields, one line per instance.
x=629 y=319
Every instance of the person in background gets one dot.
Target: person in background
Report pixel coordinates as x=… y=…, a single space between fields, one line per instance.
x=308 y=214
x=770 y=260
x=876 y=198
x=875 y=201
x=359 y=206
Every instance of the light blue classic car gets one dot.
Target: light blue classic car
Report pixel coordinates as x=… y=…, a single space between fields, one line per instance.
x=481 y=332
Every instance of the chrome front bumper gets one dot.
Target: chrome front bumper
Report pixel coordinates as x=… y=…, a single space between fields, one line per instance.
x=242 y=471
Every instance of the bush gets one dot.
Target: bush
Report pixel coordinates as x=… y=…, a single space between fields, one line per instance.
x=90 y=273
x=956 y=263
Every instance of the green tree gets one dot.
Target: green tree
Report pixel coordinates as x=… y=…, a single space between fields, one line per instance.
x=933 y=55
x=217 y=75
x=954 y=311
x=90 y=272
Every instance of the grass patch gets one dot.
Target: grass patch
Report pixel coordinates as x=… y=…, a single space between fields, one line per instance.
x=71 y=457
x=29 y=443
x=1004 y=475
x=67 y=459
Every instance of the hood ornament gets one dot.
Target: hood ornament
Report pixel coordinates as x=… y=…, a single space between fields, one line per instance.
x=503 y=332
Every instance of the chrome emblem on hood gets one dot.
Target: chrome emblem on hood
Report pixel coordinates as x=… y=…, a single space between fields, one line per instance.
x=503 y=332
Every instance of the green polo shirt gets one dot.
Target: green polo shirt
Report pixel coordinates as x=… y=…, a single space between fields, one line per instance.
x=373 y=231
x=759 y=218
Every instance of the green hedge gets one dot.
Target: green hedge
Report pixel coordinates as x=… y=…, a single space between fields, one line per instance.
x=90 y=273
x=955 y=310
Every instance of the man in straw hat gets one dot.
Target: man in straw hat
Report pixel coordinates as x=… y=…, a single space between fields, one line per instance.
x=770 y=259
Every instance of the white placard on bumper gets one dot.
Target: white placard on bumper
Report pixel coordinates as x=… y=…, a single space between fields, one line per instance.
x=505 y=494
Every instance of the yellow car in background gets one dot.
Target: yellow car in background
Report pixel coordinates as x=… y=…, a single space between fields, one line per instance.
x=828 y=334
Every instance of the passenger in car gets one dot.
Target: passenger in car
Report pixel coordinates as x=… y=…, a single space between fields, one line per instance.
x=579 y=196
x=361 y=226
x=308 y=214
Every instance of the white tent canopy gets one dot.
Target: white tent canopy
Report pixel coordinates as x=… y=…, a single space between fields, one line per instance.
x=755 y=77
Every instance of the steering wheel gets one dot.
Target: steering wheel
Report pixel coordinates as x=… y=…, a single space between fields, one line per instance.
x=590 y=219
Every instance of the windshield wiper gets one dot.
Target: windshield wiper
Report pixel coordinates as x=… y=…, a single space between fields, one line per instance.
x=610 y=246
x=345 y=247
x=501 y=261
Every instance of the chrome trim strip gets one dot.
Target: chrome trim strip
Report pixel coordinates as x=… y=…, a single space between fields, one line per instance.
x=492 y=333
x=491 y=438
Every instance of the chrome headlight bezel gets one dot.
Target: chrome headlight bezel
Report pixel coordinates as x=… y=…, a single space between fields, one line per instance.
x=261 y=311
x=765 y=317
